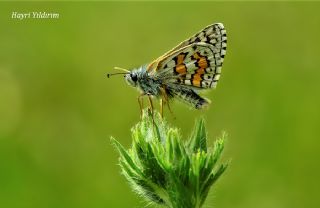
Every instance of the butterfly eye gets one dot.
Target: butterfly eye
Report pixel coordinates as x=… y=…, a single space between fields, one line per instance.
x=134 y=77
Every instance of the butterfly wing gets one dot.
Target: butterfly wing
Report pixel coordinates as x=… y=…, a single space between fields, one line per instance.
x=193 y=65
x=214 y=35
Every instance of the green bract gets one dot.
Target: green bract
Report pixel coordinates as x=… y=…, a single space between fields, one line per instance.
x=166 y=170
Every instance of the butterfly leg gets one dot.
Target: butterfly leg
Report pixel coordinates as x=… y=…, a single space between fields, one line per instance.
x=151 y=108
x=164 y=101
x=140 y=101
x=150 y=102
x=170 y=110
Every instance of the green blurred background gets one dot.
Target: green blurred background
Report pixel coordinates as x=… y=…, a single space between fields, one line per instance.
x=58 y=109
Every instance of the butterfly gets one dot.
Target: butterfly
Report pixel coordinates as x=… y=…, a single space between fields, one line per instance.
x=192 y=66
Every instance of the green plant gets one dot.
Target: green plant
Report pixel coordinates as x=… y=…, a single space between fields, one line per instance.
x=166 y=170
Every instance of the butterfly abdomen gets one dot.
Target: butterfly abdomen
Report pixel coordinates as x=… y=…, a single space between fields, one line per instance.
x=190 y=97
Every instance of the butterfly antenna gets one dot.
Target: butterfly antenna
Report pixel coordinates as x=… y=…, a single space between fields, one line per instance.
x=119 y=68
x=122 y=69
x=109 y=75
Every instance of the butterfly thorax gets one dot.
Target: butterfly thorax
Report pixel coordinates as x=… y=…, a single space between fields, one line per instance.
x=145 y=82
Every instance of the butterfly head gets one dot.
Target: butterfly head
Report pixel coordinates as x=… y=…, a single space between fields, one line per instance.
x=132 y=78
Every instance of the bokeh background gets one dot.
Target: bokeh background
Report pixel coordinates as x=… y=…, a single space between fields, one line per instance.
x=58 y=109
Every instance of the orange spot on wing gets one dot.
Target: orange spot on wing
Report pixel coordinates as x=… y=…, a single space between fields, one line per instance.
x=200 y=71
x=203 y=63
x=196 y=82
x=196 y=79
x=180 y=58
x=201 y=60
x=181 y=69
